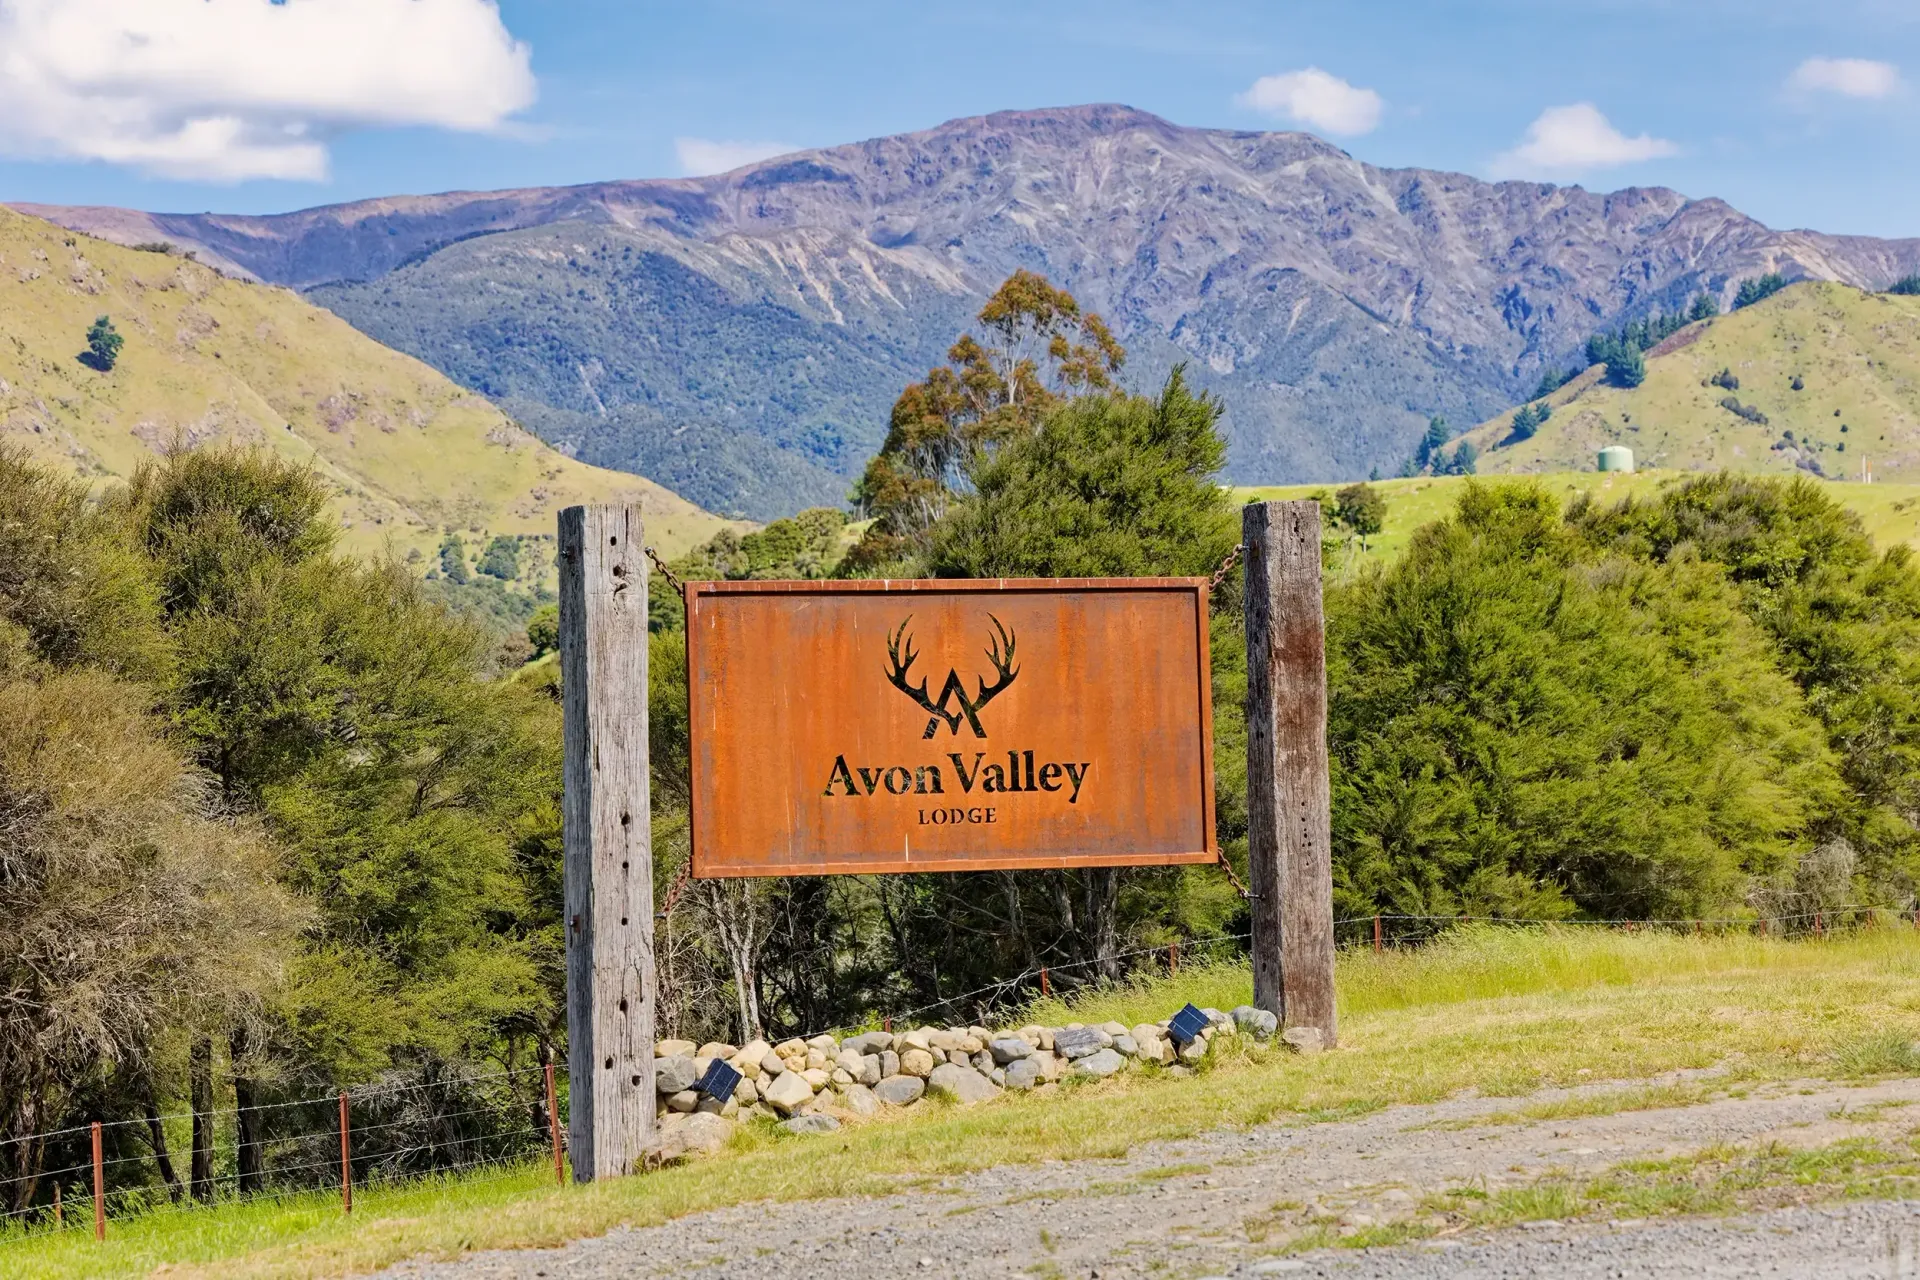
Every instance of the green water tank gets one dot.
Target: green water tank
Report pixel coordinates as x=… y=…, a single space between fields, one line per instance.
x=1616 y=457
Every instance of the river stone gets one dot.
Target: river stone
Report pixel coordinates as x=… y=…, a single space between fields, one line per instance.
x=746 y=1093
x=849 y=1061
x=705 y=1133
x=963 y=1084
x=1080 y=1042
x=1257 y=1023
x=1052 y=1065
x=791 y=1048
x=788 y=1092
x=751 y=1056
x=714 y=1049
x=871 y=1042
x=1099 y=1064
x=1220 y=1021
x=1034 y=1034
x=1010 y=1049
x=914 y=1039
x=1114 y=1028
x=816 y=1078
x=942 y=1039
x=916 y=1062
x=1125 y=1045
x=983 y=1062
x=889 y=1063
x=900 y=1091
x=671 y=1075
x=869 y=1073
x=969 y=1044
x=999 y=1076
x=816 y=1061
x=860 y=1100
x=1023 y=1074
x=815 y=1123
x=841 y=1077
x=825 y=1044
x=1194 y=1049
x=674 y=1048
x=1303 y=1039
x=684 y=1101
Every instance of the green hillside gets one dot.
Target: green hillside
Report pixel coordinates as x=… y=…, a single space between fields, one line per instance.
x=1828 y=377
x=408 y=454
x=1890 y=512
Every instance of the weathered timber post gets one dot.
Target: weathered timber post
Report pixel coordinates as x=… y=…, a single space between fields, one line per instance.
x=609 y=852
x=1289 y=819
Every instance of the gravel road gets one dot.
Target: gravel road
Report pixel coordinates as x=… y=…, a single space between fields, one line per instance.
x=1208 y=1206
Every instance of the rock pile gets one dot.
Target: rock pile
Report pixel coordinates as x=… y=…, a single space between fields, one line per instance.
x=808 y=1086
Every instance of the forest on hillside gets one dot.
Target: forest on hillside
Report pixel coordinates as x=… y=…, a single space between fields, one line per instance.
x=275 y=823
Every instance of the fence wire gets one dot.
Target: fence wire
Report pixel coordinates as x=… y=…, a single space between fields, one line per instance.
x=384 y=1168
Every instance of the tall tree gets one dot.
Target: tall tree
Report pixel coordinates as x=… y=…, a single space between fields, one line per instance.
x=1036 y=347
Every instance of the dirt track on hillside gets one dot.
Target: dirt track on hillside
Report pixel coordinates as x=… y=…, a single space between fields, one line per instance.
x=1219 y=1205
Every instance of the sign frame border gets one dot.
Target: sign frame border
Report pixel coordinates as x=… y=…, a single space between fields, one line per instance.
x=1199 y=588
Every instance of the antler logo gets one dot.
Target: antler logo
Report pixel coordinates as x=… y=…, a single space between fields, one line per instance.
x=900 y=658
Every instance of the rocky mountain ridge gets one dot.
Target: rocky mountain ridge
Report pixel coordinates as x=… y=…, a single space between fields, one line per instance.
x=740 y=337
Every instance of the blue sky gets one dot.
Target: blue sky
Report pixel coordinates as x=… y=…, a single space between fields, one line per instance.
x=1801 y=114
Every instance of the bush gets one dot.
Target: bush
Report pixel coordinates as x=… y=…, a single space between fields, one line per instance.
x=1523 y=724
x=103 y=345
x=1732 y=405
x=1725 y=378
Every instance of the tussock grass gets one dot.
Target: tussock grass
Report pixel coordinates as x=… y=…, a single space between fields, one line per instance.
x=1493 y=1011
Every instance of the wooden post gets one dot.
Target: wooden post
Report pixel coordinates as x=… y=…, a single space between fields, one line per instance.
x=609 y=852
x=346 y=1158
x=553 y=1128
x=1376 y=935
x=1289 y=817
x=99 y=1188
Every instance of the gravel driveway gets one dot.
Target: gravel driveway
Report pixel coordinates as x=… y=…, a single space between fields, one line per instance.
x=1196 y=1207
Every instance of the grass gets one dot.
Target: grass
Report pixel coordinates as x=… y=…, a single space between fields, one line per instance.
x=1501 y=1012
x=212 y=359
x=1856 y=356
x=1890 y=512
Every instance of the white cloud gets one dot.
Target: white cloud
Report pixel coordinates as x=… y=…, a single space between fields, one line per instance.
x=1848 y=77
x=1572 y=139
x=1317 y=99
x=702 y=156
x=225 y=90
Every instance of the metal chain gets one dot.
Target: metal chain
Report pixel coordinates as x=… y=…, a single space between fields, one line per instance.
x=674 y=890
x=1233 y=878
x=1226 y=567
x=673 y=579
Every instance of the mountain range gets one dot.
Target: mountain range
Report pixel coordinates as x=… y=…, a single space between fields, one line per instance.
x=408 y=456
x=740 y=338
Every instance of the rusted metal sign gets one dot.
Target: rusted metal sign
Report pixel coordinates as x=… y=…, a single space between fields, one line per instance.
x=950 y=725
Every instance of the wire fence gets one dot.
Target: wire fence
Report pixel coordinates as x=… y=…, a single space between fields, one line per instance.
x=397 y=1133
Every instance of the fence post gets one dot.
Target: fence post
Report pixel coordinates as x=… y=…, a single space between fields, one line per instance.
x=611 y=991
x=346 y=1158
x=59 y=1218
x=99 y=1188
x=1819 y=929
x=1046 y=988
x=1289 y=828
x=553 y=1128
x=1376 y=935
x=1173 y=957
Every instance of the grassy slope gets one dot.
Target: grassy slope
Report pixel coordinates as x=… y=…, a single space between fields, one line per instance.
x=1890 y=512
x=208 y=358
x=1858 y=355
x=1501 y=1011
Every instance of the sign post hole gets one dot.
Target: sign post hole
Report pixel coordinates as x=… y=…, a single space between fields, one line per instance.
x=609 y=854
x=1289 y=820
